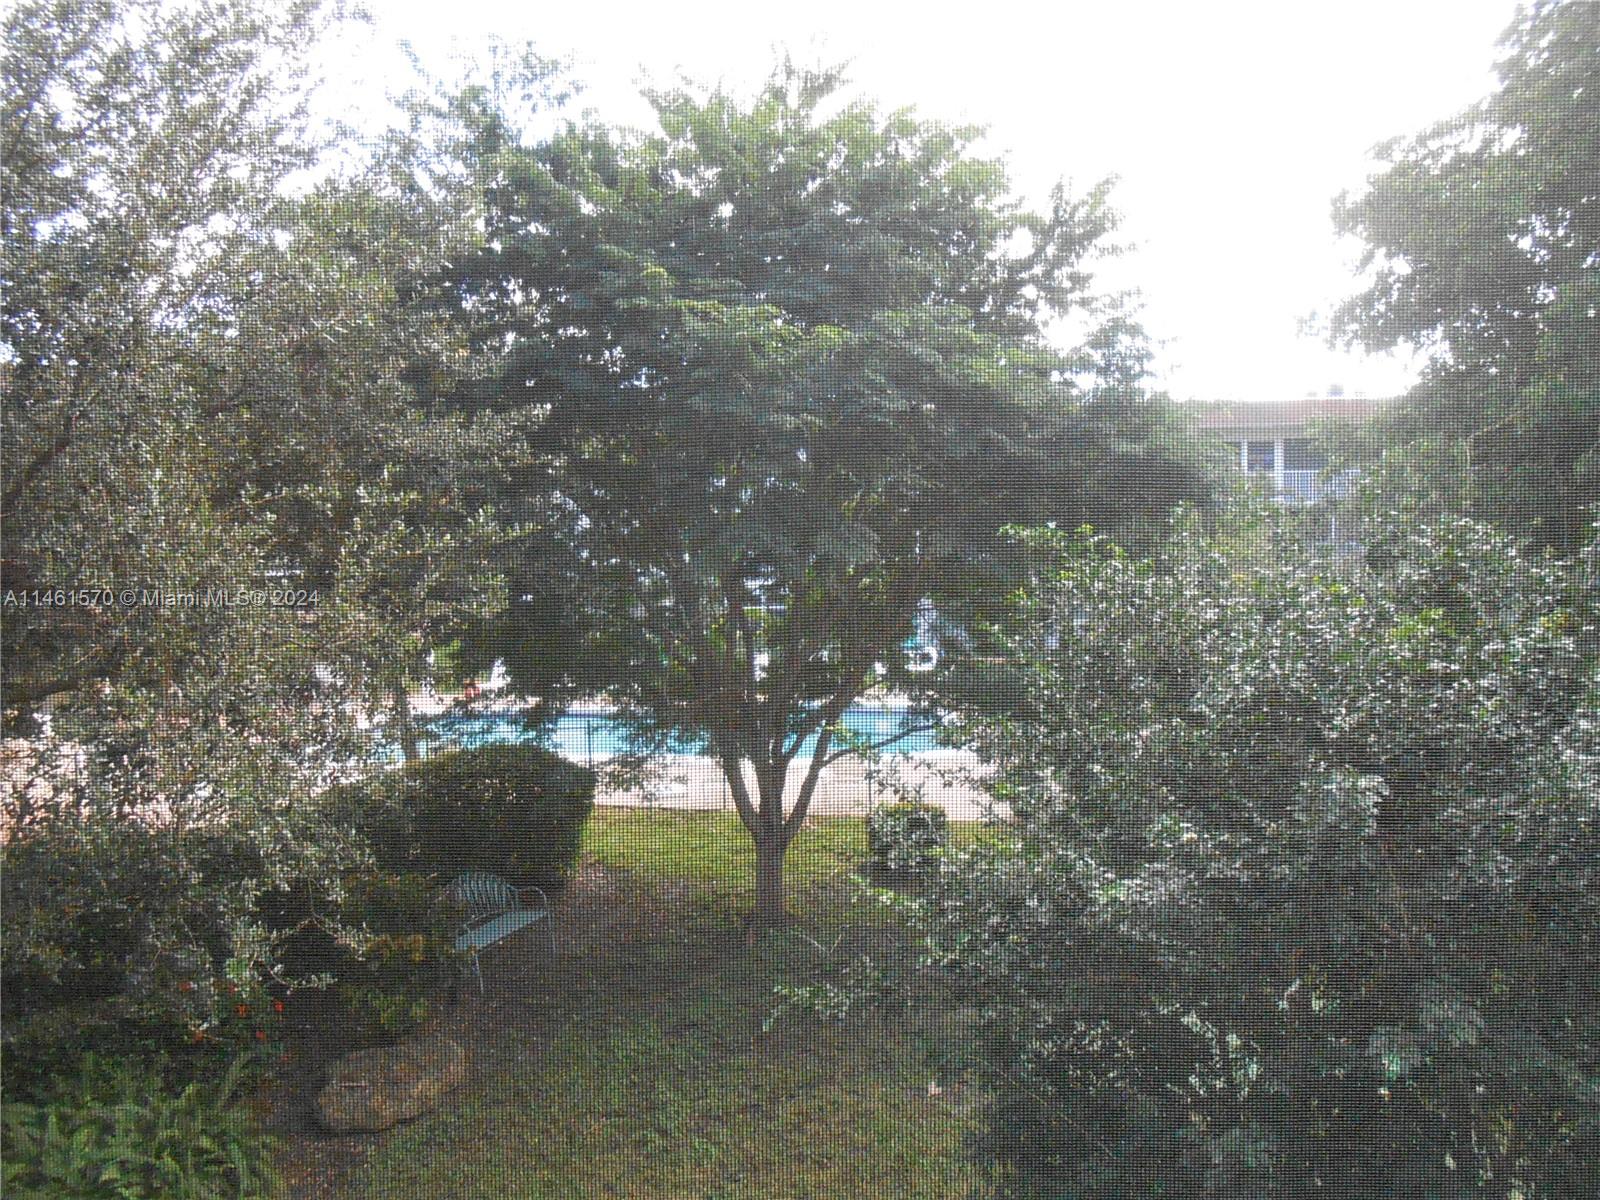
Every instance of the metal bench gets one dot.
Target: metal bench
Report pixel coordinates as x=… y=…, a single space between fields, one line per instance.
x=495 y=910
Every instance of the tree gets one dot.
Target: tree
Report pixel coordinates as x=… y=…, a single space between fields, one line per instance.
x=174 y=317
x=1483 y=239
x=1299 y=894
x=223 y=539
x=791 y=367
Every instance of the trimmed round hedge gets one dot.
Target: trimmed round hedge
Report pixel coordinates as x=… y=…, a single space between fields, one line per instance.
x=517 y=811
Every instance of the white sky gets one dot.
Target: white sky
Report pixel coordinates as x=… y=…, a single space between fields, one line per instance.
x=1230 y=125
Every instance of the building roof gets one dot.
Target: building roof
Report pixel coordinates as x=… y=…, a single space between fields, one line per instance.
x=1279 y=417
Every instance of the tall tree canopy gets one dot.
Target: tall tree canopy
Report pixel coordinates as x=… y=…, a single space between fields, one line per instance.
x=791 y=363
x=206 y=376
x=1483 y=237
x=226 y=532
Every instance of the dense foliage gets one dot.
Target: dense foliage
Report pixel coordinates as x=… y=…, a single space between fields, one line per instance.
x=116 y=1131
x=902 y=840
x=390 y=973
x=1483 y=238
x=208 y=361
x=793 y=362
x=108 y=947
x=225 y=534
x=1302 y=891
x=517 y=811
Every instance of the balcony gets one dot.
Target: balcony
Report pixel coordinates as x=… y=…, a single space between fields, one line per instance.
x=1303 y=486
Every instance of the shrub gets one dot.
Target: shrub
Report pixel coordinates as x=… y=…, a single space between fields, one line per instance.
x=112 y=943
x=116 y=1130
x=517 y=811
x=902 y=840
x=125 y=933
x=389 y=980
x=388 y=949
x=1302 y=888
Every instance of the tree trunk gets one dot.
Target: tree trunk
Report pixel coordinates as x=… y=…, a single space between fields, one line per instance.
x=763 y=816
x=771 y=844
x=770 y=911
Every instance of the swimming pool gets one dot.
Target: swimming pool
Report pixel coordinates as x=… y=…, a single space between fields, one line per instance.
x=586 y=734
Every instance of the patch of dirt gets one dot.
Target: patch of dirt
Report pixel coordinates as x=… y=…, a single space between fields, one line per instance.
x=600 y=907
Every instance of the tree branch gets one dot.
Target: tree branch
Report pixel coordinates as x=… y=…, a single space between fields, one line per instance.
x=25 y=694
x=732 y=770
x=888 y=741
x=41 y=460
x=808 y=787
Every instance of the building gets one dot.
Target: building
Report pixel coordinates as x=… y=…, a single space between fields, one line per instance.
x=1275 y=446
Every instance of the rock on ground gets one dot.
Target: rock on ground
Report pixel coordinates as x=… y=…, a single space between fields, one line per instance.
x=374 y=1089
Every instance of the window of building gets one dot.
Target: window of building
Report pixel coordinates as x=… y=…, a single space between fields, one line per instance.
x=1261 y=456
x=1301 y=454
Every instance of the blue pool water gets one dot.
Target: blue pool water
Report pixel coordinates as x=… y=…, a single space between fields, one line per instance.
x=583 y=734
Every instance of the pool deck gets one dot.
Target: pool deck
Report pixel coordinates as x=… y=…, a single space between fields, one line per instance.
x=848 y=787
x=946 y=778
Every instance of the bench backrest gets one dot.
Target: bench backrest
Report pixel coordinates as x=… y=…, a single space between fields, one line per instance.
x=482 y=894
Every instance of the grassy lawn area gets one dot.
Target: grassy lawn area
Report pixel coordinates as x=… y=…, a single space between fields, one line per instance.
x=636 y=1065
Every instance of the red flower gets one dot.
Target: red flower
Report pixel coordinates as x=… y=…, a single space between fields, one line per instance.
x=199 y=1035
x=186 y=986
x=277 y=1006
x=242 y=1009
x=261 y=1035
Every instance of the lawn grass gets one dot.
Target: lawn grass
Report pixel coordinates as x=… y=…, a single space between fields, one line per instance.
x=713 y=852
x=650 y=1074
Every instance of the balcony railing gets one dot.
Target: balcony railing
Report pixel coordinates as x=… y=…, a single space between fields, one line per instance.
x=1303 y=487
x=1307 y=487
